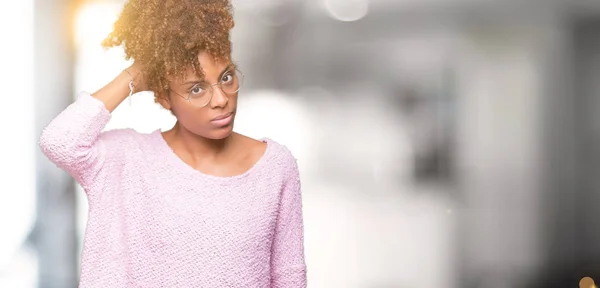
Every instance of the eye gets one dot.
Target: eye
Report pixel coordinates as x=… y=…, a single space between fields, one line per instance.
x=196 y=90
x=227 y=78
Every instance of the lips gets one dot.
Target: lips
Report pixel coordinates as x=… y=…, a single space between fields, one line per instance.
x=221 y=117
x=223 y=120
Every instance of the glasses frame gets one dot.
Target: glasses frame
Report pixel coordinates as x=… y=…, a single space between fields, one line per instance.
x=211 y=89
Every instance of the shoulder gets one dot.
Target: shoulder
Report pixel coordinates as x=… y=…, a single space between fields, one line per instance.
x=121 y=135
x=276 y=156
x=124 y=139
x=282 y=158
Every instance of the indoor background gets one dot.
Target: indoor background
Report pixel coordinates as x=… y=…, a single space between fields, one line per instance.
x=441 y=143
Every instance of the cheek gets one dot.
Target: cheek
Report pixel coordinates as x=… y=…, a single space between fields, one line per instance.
x=191 y=117
x=233 y=100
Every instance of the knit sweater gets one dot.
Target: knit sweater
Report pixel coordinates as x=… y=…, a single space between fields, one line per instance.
x=154 y=221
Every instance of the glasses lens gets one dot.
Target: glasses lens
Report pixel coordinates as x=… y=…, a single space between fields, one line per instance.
x=200 y=95
x=231 y=83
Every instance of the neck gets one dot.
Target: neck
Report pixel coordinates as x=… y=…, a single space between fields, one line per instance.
x=197 y=146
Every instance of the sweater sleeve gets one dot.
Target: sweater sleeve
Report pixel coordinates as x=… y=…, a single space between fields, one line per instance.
x=288 y=268
x=73 y=141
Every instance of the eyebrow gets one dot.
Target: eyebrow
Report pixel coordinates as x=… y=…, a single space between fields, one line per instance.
x=227 y=69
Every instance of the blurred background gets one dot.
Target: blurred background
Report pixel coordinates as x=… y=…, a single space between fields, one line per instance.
x=441 y=143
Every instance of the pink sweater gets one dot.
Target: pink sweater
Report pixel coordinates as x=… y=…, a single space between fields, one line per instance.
x=156 y=222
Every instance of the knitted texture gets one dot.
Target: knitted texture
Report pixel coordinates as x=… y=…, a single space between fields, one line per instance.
x=154 y=221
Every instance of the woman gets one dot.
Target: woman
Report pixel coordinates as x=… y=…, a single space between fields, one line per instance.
x=198 y=205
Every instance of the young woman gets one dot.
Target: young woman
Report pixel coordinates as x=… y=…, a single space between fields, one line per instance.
x=198 y=205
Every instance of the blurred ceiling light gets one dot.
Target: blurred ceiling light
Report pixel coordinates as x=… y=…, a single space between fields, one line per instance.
x=96 y=66
x=94 y=21
x=347 y=10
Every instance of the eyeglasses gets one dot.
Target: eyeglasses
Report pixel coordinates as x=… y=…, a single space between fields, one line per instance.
x=200 y=94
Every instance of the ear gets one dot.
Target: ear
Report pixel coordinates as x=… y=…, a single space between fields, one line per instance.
x=163 y=99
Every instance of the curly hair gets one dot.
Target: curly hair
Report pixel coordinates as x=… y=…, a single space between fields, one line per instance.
x=165 y=36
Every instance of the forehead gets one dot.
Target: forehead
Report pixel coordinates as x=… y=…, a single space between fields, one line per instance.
x=209 y=62
x=211 y=70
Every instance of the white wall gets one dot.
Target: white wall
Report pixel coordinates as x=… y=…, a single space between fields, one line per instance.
x=17 y=173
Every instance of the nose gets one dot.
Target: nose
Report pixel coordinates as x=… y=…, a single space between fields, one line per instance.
x=219 y=98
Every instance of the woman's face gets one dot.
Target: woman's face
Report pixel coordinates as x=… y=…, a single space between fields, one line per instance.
x=215 y=119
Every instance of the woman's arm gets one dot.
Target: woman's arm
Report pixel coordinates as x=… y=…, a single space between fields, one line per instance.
x=73 y=139
x=117 y=90
x=288 y=268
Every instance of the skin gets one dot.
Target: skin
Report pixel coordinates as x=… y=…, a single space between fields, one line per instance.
x=200 y=143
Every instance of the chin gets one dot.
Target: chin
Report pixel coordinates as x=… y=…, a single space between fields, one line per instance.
x=221 y=133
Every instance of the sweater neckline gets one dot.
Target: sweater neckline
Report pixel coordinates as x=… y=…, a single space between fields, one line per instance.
x=180 y=164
